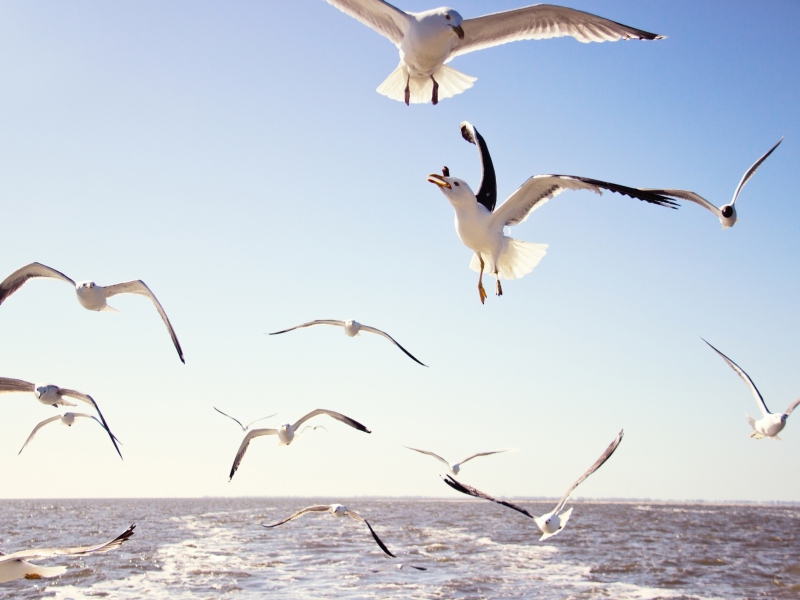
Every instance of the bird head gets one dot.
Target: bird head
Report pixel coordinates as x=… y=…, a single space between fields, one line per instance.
x=727 y=216
x=784 y=417
x=86 y=285
x=453 y=20
x=456 y=190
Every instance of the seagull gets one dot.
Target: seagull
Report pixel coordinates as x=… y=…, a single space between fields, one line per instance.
x=554 y=521
x=455 y=467
x=90 y=295
x=337 y=510
x=480 y=226
x=16 y=565
x=244 y=427
x=286 y=433
x=770 y=424
x=52 y=395
x=427 y=40
x=727 y=212
x=68 y=418
x=352 y=329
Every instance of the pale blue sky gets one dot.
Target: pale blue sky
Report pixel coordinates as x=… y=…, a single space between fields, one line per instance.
x=236 y=157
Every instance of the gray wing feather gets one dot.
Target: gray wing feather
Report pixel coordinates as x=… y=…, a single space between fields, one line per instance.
x=18 y=278
x=89 y=400
x=357 y=517
x=394 y=341
x=429 y=453
x=540 y=22
x=310 y=323
x=471 y=491
x=746 y=378
x=37 y=428
x=597 y=464
x=751 y=171
x=338 y=416
x=792 y=406
x=139 y=287
x=76 y=551
x=300 y=513
x=245 y=443
x=15 y=385
x=390 y=22
x=481 y=454
x=230 y=417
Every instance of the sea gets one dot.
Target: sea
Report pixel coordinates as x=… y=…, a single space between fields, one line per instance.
x=213 y=548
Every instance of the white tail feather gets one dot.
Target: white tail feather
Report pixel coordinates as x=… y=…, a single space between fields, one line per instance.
x=17 y=569
x=751 y=420
x=451 y=82
x=517 y=259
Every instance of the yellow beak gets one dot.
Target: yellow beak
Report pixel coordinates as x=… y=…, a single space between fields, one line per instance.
x=439 y=180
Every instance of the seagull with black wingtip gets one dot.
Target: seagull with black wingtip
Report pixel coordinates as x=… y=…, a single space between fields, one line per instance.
x=480 y=226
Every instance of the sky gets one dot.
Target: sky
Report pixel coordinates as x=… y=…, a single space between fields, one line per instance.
x=236 y=157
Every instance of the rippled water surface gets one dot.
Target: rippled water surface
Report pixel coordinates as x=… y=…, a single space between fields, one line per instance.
x=216 y=548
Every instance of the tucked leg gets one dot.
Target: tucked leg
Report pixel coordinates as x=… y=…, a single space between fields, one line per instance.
x=408 y=90
x=498 y=289
x=435 y=96
x=481 y=291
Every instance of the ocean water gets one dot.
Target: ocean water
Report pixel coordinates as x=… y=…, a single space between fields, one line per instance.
x=216 y=548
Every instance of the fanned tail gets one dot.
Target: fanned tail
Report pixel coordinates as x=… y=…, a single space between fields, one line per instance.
x=518 y=258
x=451 y=82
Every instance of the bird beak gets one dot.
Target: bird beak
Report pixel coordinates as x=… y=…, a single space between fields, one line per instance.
x=459 y=31
x=439 y=180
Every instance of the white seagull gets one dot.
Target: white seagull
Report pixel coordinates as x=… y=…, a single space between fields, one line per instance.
x=52 y=395
x=16 y=565
x=68 y=418
x=244 y=427
x=455 y=467
x=770 y=424
x=337 y=510
x=90 y=295
x=351 y=329
x=727 y=212
x=286 y=433
x=554 y=521
x=480 y=226
x=427 y=40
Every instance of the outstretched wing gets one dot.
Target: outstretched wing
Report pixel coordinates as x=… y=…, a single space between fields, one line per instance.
x=76 y=551
x=15 y=385
x=390 y=22
x=37 y=428
x=487 y=191
x=746 y=378
x=471 y=491
x=391 y=339
x=310 y=323
x=245 y=443
x=338 y=416
x=114 y=439
x=429 y=453
x=687 y=195
x=89 y=400
x=482 y=454
x=18 y=278
x=230 y=417
x=139 y=287
x=300 y=513
x=540 y=188
x=597 y=464
x=792 y=406
x=357 y=517
x=751 y=171
x=540 y=22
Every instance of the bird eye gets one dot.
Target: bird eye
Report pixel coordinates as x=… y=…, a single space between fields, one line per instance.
x=447 y=17
x=455 y=183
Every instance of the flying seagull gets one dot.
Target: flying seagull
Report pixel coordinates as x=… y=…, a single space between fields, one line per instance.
x=16 y=565
x=244 y=427
x=480 y=226
x=337 y=510
x=554 y=521
x=727 y=212
x=455 y=467
x=52 y=395
x=90 y=295
x=351 y=329
x=286 y=433
x=770 y=424
x=427 y=40
x=68 y=418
